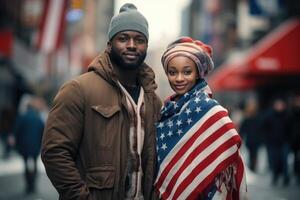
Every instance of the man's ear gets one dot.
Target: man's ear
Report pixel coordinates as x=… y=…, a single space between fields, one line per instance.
x=109 y=46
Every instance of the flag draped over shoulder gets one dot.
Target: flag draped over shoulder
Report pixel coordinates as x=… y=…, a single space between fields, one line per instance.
x=196 y=141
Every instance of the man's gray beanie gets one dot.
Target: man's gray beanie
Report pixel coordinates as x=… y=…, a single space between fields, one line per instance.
x=128 y=19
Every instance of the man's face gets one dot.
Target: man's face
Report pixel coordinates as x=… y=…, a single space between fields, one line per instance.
x=128 y=49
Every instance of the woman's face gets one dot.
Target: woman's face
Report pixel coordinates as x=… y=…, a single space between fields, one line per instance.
x=182 y=74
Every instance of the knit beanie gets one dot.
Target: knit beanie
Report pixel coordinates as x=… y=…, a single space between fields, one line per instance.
x=128 y=19
x=195 y=50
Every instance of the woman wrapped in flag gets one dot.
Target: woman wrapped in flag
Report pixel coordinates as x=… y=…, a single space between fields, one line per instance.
x=197 y=143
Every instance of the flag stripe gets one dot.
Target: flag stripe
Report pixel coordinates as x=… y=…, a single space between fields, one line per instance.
x=52 y=25
x=192 y=130
x=180 y=149
x=42 y=25
x=62 y=26
x=241 y=180
x=225 y=162
x=203 y=150
x=212 y=153
x=207 y=169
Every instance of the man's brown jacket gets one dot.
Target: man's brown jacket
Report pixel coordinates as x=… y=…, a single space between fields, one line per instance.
x=85 y=142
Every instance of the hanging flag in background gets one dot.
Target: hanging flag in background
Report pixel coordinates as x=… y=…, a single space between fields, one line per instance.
x=265 y=8
x=52 y=26
x=6 y=43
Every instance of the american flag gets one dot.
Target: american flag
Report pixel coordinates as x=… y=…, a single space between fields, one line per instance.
x=196 y=140
x=51 y=31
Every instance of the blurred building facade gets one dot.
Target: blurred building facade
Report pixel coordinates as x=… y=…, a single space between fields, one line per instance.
x=233 y=28
x=46 y=42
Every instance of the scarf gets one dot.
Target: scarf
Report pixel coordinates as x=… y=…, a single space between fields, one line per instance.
x=136 y=142
x=196 y=141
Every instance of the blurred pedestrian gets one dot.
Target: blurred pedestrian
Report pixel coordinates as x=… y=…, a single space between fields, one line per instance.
x=274 y=127
x=28 y=133
x=99 y=140
x=198 y=146
x=250 y=131
x=294 y=134
x=7 y=118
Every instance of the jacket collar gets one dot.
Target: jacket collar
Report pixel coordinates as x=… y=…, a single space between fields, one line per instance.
x=104 y=68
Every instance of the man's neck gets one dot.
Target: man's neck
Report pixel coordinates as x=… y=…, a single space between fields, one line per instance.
x=126 y=76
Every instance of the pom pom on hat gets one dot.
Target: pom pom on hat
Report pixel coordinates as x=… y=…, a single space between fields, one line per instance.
x=128 y=19
x=127 y=7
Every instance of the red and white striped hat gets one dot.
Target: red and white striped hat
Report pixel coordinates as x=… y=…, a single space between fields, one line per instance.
x=195 y=50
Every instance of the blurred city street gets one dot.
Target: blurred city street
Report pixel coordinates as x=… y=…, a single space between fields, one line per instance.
x=45 y=43
x=12 y=183
x=260 y=187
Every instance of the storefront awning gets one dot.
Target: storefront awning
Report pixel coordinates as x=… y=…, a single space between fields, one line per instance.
x=278 y=53
x=230 y=77
x=275 y=55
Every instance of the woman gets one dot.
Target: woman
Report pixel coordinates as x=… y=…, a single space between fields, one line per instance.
x=197 y=144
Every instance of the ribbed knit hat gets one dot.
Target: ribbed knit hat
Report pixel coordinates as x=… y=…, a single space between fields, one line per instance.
x=128 y=19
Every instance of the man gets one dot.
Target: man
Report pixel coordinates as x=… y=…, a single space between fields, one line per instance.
x=274 y=127
x=99 y=140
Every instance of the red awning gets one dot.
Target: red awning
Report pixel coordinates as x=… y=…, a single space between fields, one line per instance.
x=230 y=77
x=275 y=55
x=278 y=53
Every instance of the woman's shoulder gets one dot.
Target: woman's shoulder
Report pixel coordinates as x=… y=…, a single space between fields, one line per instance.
x=204 y=100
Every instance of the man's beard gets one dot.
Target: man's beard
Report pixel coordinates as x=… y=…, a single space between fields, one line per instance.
x=118 y=59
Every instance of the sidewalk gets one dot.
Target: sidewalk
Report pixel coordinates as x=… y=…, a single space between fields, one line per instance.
x=12 y=183
x=259 y=184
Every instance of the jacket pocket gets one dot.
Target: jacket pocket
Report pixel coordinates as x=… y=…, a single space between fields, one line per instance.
x=104 y=125
x=106 y=112
x=100 y=177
